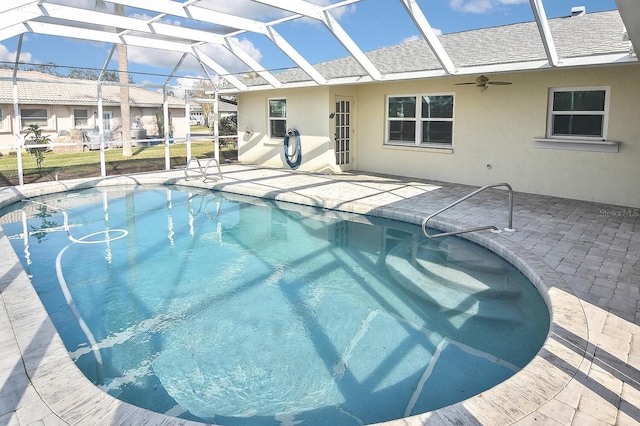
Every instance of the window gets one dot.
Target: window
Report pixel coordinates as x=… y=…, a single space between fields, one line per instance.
x=578 y=113
x=4 y=121
x=37 y=116
x=277 y=118
x=107 y=116
x=80 y=118
x=420 y=120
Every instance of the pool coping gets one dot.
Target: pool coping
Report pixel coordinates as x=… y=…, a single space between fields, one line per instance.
x=56 y=384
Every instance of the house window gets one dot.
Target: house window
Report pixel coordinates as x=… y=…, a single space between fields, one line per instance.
x=420 y=120
x=38 y=116
x=107 y=116
x=4 y=122
x=578 y=113
x=277 y=118
x=80 y=118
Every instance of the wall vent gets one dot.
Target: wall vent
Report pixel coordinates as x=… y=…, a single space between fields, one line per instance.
x=578 y=11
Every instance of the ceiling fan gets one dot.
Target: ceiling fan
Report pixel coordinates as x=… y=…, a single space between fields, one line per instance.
x=482 y=82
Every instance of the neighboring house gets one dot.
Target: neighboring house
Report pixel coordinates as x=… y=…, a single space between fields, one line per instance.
x=198 y=116
x=65 y=108
x=571 y=130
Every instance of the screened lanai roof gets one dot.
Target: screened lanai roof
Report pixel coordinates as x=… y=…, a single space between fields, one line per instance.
x=192 y=27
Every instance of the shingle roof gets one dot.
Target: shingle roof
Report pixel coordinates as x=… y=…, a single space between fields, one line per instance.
x=47 y=89
x=581 y=36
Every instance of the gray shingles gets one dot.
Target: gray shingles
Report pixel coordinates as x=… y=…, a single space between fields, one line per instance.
x=592 y=34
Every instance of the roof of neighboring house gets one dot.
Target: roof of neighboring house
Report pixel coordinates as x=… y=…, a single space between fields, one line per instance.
x=39 y=88
x=589 y=35
x=224 y=106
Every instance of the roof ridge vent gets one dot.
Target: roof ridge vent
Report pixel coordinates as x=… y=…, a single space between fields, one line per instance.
x=578 y=11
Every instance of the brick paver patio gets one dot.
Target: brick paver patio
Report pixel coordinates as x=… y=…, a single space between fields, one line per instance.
x=584 y=257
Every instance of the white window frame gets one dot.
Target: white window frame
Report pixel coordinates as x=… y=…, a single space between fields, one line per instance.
x=22 y=118
x=605 y=113
x=107 y=118
x=270 y=118
x=419 y=121
x=4 y=120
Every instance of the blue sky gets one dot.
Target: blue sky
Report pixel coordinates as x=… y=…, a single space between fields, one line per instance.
x=371 y=23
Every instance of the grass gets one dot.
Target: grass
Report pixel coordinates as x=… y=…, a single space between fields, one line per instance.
x=87 y=164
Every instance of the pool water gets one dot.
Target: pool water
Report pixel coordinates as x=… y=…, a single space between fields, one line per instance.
x=243 y=311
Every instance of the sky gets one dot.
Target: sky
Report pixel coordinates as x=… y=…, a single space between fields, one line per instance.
x=370 y=23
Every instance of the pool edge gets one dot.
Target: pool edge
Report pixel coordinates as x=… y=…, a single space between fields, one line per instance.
x=543 y=378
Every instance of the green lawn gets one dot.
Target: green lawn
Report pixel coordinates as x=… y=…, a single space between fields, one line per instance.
x=87 y=164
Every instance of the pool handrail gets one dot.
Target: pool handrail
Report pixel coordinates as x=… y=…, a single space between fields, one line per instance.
x=201 y=168
x=493 y=228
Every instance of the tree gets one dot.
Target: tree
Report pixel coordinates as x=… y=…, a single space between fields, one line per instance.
x=160 y=124
x=91 y=74
x=82 y=74
x=34 y=132
x=50 y=68
x=123 y=74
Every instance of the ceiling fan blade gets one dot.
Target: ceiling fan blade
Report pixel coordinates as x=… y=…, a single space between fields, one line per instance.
x=462 y=84
x=499 y=83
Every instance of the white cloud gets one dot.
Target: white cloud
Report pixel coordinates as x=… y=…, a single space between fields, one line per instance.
x=167 y=59
x=480 y=6
x=415 y=37
x=248 y=47
x=411 y=38
x=86 y=4
x=7 y=56
x=337 y=12
x=261 y=12
x=244 y=8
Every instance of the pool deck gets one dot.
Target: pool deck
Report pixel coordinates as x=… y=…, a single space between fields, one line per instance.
x=584 y=257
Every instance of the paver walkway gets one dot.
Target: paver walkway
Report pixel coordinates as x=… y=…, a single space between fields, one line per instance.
x=585 y=258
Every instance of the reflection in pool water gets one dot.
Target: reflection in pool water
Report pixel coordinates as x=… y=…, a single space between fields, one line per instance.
x=236 y=310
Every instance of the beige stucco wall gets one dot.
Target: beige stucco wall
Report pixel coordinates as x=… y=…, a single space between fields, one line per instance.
x=308 y=112
x=493 y=134
x=497 y=127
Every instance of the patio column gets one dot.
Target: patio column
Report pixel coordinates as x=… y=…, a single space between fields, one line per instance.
x=16 y=126
x=103 y=165
x=216 y=127
x=165 y=111
x=187 y=116
x=16 y=114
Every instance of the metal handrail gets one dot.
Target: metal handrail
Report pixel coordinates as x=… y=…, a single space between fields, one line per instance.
x=479 y=228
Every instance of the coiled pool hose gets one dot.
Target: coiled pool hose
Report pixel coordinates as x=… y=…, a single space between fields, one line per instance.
x=295 y=158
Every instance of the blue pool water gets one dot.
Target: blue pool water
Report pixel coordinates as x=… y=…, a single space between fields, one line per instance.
x=243 y=311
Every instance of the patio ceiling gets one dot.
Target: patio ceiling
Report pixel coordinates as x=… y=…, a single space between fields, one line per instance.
x=52 y=17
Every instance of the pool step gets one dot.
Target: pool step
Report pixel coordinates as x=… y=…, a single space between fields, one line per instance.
x=472 y=256
x=465 y=267
x=453 y=287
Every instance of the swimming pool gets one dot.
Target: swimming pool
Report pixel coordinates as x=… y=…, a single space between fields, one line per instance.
x=342 y=304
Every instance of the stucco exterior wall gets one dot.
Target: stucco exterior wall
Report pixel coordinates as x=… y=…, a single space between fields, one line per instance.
x=494 y=131
x=308 y=112
x=493 y=134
